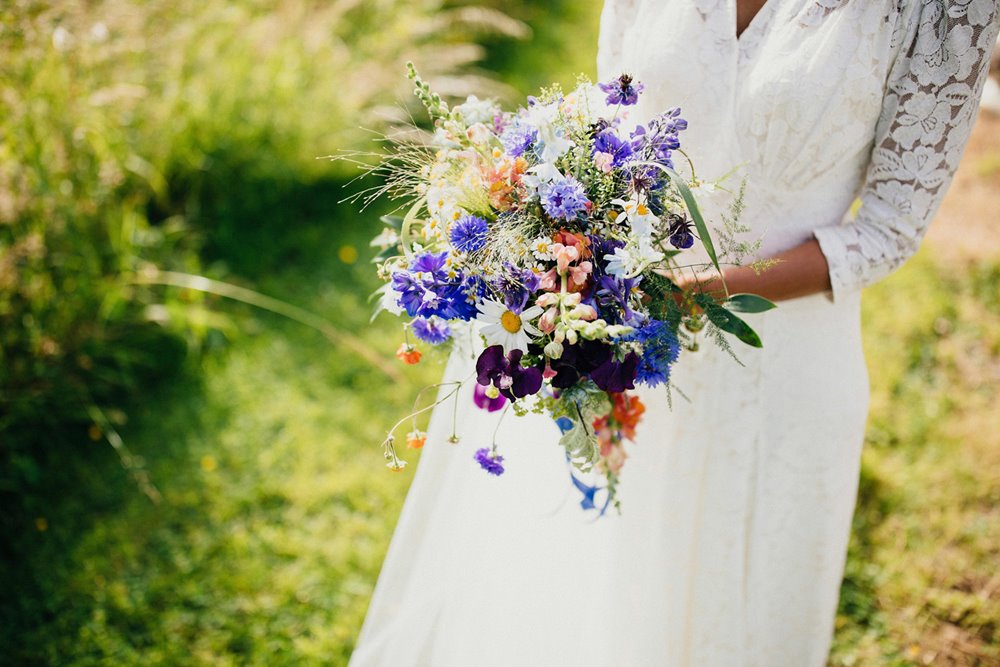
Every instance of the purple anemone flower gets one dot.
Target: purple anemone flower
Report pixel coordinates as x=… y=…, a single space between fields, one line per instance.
x=623 y=90
x=506 y=373
x=490 y=461
x=484 y=402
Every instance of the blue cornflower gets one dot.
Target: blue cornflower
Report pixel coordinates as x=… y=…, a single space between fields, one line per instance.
x=622 y=90
x=608 y=141
x=468 y=234
x=564 y=198
x=660 y=349
x=517 y=139
x=431 y=329
x=490 y=461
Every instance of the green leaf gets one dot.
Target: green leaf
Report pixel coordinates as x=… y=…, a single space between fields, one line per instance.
x=699 y=221
x=749 y=303
x=729 y=323
x=394 y=221
x=581 y=446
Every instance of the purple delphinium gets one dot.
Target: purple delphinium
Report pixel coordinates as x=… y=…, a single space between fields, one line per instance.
x=613 y=294
x=660 y=349
x=564 y=198
x=517 y=287
x=506 y=373
x=425 y=289
x=608 y=141
x=490 y=461
x=484 y=402
x=623 y=90
x=659 y=139
x=431 y=329
x=468 y=234
x=517 y=139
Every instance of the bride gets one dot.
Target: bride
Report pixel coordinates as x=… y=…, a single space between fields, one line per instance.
x=736 y=505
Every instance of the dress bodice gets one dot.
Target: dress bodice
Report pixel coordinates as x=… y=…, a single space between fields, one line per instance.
x=818 y=102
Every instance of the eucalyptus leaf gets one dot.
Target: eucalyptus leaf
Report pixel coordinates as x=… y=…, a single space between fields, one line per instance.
x=730 y=323
x=749 y=303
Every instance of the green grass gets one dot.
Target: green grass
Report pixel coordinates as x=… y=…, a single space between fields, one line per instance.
x=277 y=508
x=921 y=584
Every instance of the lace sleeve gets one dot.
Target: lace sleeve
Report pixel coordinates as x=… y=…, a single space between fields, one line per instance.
x=929 y=107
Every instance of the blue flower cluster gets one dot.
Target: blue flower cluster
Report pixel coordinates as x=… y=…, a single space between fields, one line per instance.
x=431 y=329
x=659 y=139
x=660 y=349
x=426 y=289
x=564 y=198
x=490 y=461
x=518 y=139
x=608 y=141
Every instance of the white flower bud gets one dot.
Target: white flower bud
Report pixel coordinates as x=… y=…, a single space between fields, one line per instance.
x=553 y=350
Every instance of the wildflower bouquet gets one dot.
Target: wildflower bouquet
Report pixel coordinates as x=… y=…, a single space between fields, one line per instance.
x=547 y=233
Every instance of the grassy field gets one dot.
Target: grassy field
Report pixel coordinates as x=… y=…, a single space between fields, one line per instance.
x=276 y=508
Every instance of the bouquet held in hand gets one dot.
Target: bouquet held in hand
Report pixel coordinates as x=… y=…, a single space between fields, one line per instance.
x=547 y=236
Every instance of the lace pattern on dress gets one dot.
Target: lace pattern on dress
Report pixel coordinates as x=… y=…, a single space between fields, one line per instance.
x=926 y=118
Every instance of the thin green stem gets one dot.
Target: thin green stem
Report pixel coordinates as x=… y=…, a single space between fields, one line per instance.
x=264 y=302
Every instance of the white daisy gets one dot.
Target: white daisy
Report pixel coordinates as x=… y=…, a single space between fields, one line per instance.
x=502 y=326
x=541 y=248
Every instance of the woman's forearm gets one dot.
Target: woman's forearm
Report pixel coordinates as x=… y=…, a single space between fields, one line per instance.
x=800 y=271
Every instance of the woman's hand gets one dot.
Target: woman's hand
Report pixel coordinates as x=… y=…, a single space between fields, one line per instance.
x=800 y=271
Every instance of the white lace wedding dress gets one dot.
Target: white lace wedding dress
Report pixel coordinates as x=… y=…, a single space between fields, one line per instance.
x=736 y=506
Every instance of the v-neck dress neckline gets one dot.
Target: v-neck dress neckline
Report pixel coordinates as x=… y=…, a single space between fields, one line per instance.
x=738 y=35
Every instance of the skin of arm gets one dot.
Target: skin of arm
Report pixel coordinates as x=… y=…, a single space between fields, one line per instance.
x=799 y=271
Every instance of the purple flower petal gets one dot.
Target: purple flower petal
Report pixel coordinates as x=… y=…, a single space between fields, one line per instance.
x=484 y=402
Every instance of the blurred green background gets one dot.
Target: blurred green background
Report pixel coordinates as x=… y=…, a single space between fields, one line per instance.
x=185 y=480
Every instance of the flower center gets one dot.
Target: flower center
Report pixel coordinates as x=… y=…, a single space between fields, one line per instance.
x=510 y=321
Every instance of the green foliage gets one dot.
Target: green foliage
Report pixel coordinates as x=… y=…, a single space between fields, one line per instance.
x=276 y=505
x=920 y=571
x=141 y=135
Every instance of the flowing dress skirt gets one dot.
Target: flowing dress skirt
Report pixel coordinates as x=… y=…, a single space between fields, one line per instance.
x=730 y=548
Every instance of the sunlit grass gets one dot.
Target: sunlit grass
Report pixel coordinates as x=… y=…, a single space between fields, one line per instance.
x=276 y=505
